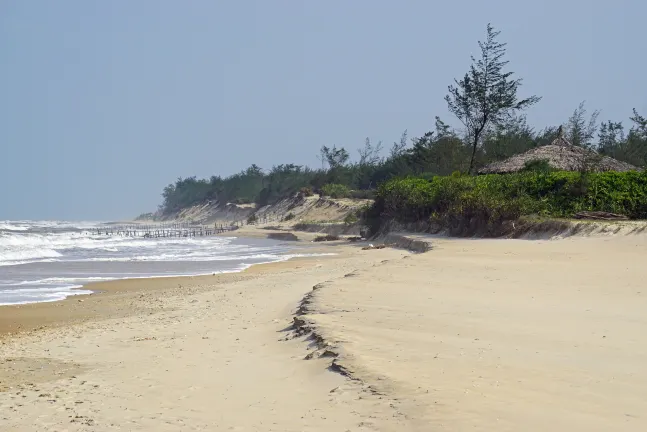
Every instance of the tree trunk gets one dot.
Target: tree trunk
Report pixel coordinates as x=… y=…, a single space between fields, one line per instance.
x=476 y=141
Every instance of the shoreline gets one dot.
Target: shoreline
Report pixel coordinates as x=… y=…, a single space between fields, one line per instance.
x=21 y=318
x=27 y=317
x=154 y=355
x=472 y=334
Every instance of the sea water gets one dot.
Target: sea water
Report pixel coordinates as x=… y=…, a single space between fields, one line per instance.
x=50 y=260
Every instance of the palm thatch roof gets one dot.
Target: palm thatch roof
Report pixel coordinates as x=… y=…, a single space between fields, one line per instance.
x=561 y=155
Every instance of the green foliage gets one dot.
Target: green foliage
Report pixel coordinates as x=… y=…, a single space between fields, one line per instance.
x=334 y=157
x=537 y=165
x=485 y=101
x=363 y=194
x=252 y=219
x=465 y=204
x=579 y=131
x=335 y=190
x=486 y=95
x=351 y=218
x=288 y=217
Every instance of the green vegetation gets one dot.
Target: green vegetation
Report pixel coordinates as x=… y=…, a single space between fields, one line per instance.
x=351 y=218
x=486 y=95
x=335 y=191
x=494 y=128
x=538 y=165
x=466 y=204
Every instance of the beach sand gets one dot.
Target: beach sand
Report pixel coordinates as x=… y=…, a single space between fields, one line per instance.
x=499 y=335
x=473 y=335
x=201 y=356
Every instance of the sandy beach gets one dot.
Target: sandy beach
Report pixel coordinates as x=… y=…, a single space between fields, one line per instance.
x=485 y=335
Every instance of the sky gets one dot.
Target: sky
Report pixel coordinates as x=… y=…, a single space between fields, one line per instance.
x=102 y=104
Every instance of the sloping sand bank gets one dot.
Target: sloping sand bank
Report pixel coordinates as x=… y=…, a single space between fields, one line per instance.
x=498 y=335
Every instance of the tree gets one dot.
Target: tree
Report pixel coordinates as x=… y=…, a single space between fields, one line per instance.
x=398 y=148
x=637 y=140
x=439 y=152
x=336 y=157
x=443 y=129
x=611 y=138
x=640 y=125
x=506 y=139
x=370 y=155
x=486 y=95
x=547 y=136
x=580 y=132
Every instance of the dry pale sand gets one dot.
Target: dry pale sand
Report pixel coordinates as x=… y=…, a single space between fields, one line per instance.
x=196 y=356
x=503 y=335
x=499 y=335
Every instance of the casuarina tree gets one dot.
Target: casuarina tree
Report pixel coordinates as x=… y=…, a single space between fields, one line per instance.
x=486 y=95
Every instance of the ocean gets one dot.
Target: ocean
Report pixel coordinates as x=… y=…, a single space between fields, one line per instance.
x=42 y=261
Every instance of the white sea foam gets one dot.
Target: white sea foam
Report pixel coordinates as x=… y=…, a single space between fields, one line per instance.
x=12 y=227
x=22 y=247
x=46 y=261
x=25 y=296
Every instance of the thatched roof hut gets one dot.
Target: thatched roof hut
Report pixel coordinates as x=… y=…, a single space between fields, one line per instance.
x=561 y=155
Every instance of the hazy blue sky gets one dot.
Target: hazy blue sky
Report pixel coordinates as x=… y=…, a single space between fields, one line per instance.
x=103 y=103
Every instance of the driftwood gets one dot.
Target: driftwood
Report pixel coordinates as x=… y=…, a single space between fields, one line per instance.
x=599 y=215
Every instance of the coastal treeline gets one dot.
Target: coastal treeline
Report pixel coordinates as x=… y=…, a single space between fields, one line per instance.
x=494 y=127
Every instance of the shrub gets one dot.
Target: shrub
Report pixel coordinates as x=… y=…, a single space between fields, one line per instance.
x=306 y=191
x=363 y=194
x=289 y=217
x=351 y=218
x=335 y=190
x=251 y=219
x=465 y=203
x=538 y=165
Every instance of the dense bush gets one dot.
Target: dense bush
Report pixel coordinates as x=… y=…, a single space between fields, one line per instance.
x=335 y=190
x=464 y=203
